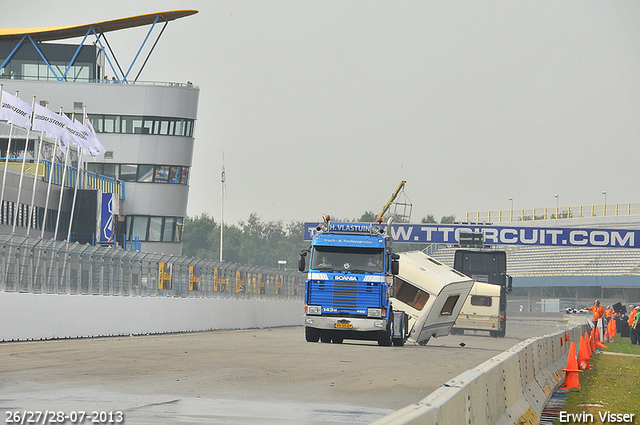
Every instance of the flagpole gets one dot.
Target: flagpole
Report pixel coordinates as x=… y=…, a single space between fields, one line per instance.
x=224 y=177
x=51 y=171
x=64 y=177
x=75 y=193
x=75 y=190
x=6 y=165
x=24 y=162
x=35 y=180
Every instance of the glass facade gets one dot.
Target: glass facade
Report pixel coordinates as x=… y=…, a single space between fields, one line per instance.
x=143 y=173
x=154 y=228
x=161 y=126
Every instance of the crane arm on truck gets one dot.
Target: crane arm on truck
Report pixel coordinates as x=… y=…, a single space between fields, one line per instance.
x=393 y=198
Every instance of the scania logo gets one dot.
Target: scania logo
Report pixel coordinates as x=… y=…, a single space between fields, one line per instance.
x=350 y=278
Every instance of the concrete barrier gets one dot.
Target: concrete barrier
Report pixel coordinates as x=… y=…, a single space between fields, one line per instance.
x=49 y=316
x=510 y=388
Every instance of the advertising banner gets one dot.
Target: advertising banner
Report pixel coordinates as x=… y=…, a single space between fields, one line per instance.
x=107 y=216
x=194 y=278
x=496 y=235
x=164 y=276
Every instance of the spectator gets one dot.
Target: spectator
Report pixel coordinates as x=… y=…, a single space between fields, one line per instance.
x=633 y=333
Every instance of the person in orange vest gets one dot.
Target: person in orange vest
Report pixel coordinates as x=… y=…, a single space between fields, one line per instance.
x=597 y=310
x=607 y=316
x=632 y=332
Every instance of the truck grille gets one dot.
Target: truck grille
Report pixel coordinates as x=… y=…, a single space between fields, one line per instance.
x=347 y=297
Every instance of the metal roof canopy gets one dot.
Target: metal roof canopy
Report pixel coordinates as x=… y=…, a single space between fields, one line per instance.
x=98 y=29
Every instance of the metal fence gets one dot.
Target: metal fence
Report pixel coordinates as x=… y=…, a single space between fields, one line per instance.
x=35 y=265
x=559 y=213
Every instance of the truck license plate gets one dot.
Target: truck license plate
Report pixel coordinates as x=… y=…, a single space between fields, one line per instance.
x=344 y=325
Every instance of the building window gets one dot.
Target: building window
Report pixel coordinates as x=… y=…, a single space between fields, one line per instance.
x=155 y=229
x=139 y=227
x=128 y=173
x=169 y=229
x=162 y=174
x=172 y=174
x=142 y=125
x=145 y=173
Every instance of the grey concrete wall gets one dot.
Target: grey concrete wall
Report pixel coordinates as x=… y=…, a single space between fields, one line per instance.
x=49 y=316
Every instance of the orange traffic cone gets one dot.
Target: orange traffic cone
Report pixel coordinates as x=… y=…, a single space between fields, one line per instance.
x=592 y=341
x=571 y=379
x=611 y=329
x=587 y=342
x=583 y=355
x=598 y=343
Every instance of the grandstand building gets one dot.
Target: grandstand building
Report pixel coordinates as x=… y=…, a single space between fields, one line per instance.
x=147 y=129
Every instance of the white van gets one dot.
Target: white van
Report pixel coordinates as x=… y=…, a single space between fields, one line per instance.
x=481 y=311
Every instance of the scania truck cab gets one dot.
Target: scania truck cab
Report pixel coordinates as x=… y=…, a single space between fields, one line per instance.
x=347 y=293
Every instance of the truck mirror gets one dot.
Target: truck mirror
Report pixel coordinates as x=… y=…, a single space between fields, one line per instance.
x=395 y=267
x=395 y=256
x=301 y=263
x=509 y=284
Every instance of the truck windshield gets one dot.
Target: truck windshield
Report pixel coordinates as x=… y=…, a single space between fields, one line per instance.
x=333 y=258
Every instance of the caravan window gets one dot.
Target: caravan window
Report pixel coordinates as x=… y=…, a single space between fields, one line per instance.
x=410 y=294
x=482 y=301
x=447 y=309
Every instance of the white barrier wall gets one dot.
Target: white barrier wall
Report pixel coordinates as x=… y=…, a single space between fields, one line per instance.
x=510 y=388
x=46 y=316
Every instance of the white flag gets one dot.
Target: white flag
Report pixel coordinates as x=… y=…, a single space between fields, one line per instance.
x=63 y=142
x=48 y=121
x=70 y=135
x=15 y=111
x=96 y=143
x=83 y=137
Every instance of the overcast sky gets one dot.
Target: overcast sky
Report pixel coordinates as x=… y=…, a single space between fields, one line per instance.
x=324 y=107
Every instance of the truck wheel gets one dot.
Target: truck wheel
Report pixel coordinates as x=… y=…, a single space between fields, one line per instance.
x=493 y=333
x=311 y=334
x=337 y=339
x=325 y=337
x=385 y=338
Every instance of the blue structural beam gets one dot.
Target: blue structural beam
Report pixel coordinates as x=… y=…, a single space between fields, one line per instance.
x=98 y=30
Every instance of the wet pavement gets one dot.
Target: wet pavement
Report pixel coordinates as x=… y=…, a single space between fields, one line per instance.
x=268 y=376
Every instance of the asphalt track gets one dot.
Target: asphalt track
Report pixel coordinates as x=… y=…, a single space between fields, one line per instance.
x=258 y=376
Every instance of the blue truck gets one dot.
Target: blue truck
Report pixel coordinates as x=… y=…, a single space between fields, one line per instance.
x=357 y=287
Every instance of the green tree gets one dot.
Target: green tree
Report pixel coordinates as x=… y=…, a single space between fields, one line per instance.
x=196 y=236
x=430 y=218
x=368 y=217
x=448 y=219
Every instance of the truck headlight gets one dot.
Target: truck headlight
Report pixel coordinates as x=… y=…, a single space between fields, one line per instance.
x=314 y=309
x=374 y=312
